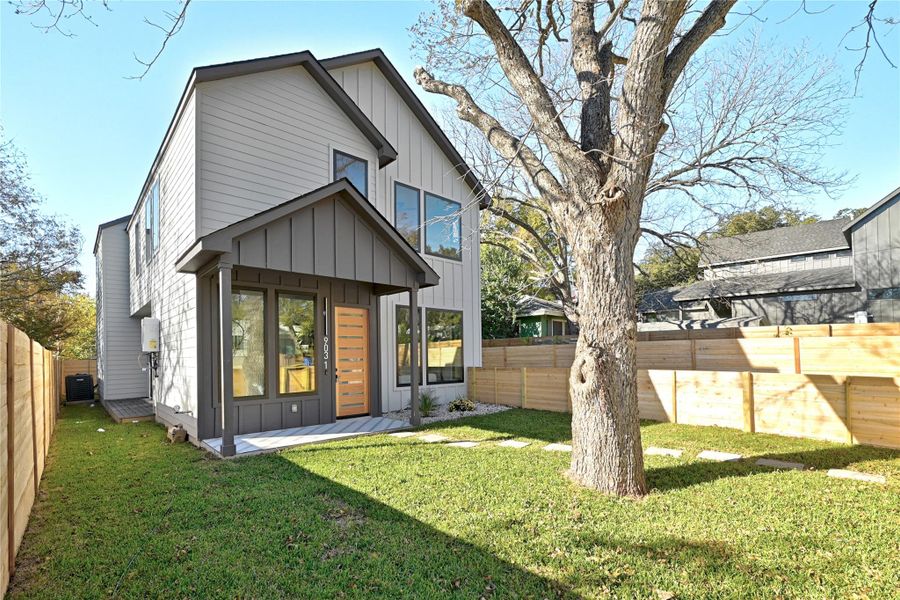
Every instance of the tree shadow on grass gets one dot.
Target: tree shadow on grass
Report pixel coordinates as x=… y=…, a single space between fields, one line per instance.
x=697 y=472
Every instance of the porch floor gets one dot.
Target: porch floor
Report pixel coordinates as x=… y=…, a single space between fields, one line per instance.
x=130 y=409
x=279 y=439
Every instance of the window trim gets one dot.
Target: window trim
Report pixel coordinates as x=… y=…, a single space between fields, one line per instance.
x=462 y=340
x=316 y=336
x=420 y=233
x=425 y=226
x=137 y=246
x=265 y=296
x=397 y=384
x=334 y=153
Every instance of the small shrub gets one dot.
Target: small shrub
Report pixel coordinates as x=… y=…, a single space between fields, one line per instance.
x=427 y=403
x=461 y=404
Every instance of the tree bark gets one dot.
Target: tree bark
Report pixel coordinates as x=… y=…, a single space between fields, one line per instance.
x=606 y=435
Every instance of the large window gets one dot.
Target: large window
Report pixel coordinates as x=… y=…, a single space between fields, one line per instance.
x=442 y=227
x=296 y=344
x=404 y=377
x=444 y=338
x=248 y=331
x=353 y=168
x=406 y=213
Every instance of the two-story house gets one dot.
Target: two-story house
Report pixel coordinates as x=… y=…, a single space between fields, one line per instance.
x=295 y=211
x=823 y=272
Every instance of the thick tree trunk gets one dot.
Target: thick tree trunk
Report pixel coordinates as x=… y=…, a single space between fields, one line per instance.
x=606 y=435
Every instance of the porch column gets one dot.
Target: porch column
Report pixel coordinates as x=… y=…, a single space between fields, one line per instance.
x=226 y=359
x=414 y=419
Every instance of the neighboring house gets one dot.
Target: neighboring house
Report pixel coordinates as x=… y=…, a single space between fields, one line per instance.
x=542 y=318
x=293 y=211
x=822 y=272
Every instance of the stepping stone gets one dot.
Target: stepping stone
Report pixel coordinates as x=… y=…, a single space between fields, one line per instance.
x=719 y=456
x=856 y=476
x=779 y=464
x=558 y=447
x=403 y=434
x=432 y=438
x=513 y=444
x=654 y=451
x=463 y=444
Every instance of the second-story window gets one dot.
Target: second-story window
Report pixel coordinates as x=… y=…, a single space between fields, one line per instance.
x=138 y=240
x=443 y=236
x=151 y=222
x=354 y=169
x=406 y=213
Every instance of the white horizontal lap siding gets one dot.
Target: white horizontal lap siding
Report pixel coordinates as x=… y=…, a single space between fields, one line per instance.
x=118 y=344
x=420 y=164
x=266 y=138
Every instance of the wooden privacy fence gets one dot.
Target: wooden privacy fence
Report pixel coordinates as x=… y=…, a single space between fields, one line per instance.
x=72 y=366
x=872 y=355
x=28 y=412
x=853 y=409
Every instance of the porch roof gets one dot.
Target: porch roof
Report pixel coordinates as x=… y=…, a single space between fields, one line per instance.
x=332 y=231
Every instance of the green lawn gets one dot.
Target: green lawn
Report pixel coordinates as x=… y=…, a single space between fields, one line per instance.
x=123 y=513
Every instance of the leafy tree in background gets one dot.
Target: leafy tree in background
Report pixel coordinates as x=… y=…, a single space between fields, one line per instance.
x=504 y=280
x=850 y=213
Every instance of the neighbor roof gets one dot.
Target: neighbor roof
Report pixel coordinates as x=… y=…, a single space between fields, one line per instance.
x=769 y=283
x=102 y=226
x=386 y=152
x=532 y=306
x=377 y=56
x=659 y=300
x=887 y=200
x=773 y=243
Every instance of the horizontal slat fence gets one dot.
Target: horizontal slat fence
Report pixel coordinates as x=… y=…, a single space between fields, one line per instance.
x=28 y=411
x=840 y=408
x=872 y=355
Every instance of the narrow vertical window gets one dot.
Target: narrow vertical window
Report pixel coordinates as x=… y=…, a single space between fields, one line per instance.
x=443 y=236
x=356 y=170
x=154 y=217
x=248 y=331
x=148 y=222
x=406 y=213
x=444 y=338
x=296 y=344
x=138 y=240
x=404 y=377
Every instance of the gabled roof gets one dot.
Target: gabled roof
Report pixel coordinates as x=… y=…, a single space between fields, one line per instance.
x=884 y=202
x=223 y=240
x=386 y=152
x=659 y=300
x=377 y=56
x=774 y=243
x=102 y=226
x=808 y=280
x=532 y=306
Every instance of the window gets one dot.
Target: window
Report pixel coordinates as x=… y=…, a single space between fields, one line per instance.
x=296 y=344
x=823 y=256
x=406 y=213
x=138 y=240
x=798 y=297
x=248 y=331
x=892 y=293
x=798 y=259
x=154 y=216
x=444 y=351
x=557 y=327
x=443 y=236
x=353 y=168
x=403 y=354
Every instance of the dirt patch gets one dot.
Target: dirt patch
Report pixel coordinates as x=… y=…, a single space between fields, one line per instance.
x=340 y=513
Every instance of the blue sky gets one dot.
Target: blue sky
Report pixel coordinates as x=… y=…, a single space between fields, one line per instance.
x=90 y=133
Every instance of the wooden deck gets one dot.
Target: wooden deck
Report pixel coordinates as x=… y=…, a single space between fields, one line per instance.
x=271 y=441
x=131 y=409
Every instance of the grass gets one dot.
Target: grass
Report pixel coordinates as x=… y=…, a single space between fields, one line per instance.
x=122 y=513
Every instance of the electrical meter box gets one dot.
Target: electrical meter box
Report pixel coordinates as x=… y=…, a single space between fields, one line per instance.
x=149 y=334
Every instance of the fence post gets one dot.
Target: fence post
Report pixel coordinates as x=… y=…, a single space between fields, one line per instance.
x=495 y=382
x=848 y=403
x=474 y=379
x=797 y=365
x=693 y=355
x=10 y=445
x=747 y=385
x=523 y=398
x=34 y=439
x=675 y=397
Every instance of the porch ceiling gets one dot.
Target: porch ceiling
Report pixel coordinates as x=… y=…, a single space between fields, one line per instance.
x=330 y=232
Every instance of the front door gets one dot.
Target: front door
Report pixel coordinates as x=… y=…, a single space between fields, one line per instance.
x=351 y=361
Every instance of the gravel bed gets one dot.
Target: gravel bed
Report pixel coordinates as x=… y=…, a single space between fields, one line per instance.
x=442 y=414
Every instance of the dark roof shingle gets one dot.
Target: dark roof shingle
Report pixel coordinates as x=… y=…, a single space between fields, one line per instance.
x=769 y=283
x=781 y=241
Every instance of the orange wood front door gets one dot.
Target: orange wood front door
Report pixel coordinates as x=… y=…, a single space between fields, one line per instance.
x=351 y=361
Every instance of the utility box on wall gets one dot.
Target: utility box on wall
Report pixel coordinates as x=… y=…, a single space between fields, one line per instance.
x=149 y=334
